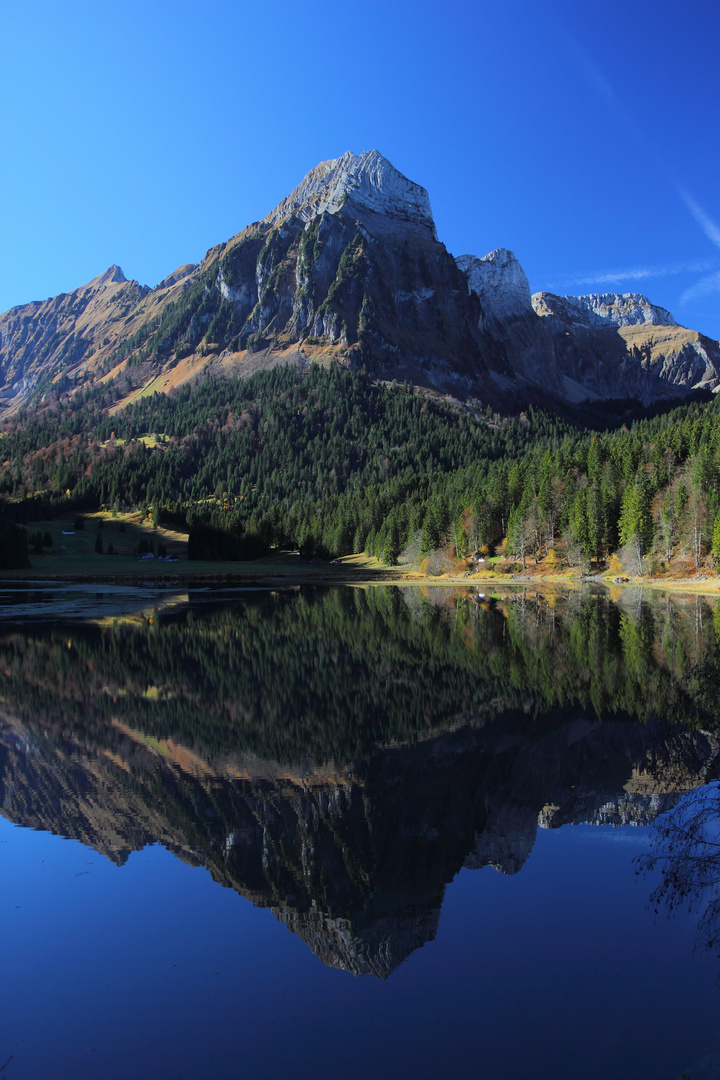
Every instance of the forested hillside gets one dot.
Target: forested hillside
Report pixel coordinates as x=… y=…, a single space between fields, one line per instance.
x=333 y=463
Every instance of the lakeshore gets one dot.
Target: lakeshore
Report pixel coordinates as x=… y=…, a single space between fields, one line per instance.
x=74 y=557
x=298 y=572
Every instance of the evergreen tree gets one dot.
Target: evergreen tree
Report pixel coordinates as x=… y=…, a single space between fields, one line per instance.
x=636 y=523
x=716 y=540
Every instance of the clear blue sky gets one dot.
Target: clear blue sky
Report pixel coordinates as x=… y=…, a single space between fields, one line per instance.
x=585 y=137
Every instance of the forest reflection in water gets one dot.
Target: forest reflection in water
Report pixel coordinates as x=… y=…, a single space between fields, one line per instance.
x=338 y=754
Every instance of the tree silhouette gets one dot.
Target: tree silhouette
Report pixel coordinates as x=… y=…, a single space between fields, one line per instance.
x=686 y=850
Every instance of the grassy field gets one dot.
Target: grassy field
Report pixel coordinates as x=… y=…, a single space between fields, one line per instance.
x=73 y=555
x=74 y=552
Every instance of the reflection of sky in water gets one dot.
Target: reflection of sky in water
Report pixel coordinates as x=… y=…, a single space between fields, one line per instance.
x=153 y=970
x=629 y=834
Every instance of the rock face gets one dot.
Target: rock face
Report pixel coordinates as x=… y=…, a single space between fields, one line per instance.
x=366 y=183
x=629 y=309
x=580 y=348
x=499 y=282
x=501 y=287
x=616 y=346
x=348 y=266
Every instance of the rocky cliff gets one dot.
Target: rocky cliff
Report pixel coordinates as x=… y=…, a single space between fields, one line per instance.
x=349 y=267
x=584 y=348
x=361 y=184
x=629 y=309
x=623 y=346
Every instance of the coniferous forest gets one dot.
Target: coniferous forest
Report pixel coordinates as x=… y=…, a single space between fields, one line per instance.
x=332 y=463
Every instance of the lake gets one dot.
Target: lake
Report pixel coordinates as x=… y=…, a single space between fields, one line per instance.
x=359 y=832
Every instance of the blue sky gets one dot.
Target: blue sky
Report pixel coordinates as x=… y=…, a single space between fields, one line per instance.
x=585 y=137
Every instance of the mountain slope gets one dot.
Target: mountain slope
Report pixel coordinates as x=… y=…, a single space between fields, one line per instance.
x=622 y=345
x=585 y=348
x=71 y=336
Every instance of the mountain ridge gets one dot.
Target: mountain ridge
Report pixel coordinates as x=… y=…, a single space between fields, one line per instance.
x=348 y=267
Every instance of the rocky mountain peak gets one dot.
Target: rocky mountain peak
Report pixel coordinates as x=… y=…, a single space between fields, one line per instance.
x=112 y=276
x=499 y=281
x=367 y=181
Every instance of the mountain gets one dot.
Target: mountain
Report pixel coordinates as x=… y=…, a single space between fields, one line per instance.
x=610 y=344
x=66 y=339
x=349 y=267
x=586 y=348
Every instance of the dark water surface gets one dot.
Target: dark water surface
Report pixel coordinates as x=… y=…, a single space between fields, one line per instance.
x=490 y=827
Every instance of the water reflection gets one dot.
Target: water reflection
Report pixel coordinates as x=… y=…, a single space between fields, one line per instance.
x=686 y=849
x=338 y=755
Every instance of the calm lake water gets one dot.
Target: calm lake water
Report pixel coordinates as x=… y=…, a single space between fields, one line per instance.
x=337 y=832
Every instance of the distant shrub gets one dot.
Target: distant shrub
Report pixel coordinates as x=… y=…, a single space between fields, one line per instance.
x=437 y=563
x=615 y=566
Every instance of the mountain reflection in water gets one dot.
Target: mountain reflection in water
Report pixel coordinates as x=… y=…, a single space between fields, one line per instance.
x=338 y=755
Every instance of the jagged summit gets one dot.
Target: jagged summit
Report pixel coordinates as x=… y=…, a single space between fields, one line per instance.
x=368 y=181
x=112 y=276
x=626 y=309
x=499 y=281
